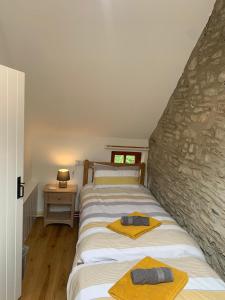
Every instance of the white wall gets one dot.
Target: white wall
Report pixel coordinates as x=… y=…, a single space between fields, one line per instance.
x=93 y=64
x=54 y=150
x=27 y=151
x=5 y=59
x=104 y=67
x=4 y=56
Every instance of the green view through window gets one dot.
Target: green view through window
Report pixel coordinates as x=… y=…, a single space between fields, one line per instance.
x=120 y=157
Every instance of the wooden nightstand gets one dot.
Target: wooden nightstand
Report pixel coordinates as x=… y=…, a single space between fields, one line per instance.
x=59 y=197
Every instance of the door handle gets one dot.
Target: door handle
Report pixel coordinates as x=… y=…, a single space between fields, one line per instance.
x=21 y=191
x=20 y=188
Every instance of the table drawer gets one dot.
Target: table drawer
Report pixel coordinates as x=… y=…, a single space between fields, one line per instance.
x=60 y=197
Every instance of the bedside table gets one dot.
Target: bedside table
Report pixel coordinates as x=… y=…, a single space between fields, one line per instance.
x=59 y=197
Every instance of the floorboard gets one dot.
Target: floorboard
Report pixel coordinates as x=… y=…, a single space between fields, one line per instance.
x=49 y=261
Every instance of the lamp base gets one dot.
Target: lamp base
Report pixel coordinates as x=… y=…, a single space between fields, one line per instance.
x=62 y=184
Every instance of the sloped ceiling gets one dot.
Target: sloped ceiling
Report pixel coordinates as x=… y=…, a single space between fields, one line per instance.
x=107 y=67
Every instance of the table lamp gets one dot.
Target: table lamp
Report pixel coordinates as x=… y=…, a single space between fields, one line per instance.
x=63 y=176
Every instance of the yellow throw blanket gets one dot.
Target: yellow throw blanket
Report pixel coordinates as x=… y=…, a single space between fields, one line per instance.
x=124 y=289
x=134 y=231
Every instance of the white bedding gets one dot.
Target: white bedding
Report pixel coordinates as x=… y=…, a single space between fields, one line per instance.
x=96 y=243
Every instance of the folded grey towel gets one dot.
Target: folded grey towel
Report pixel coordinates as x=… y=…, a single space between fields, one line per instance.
x=135 y=221
x=152 y=276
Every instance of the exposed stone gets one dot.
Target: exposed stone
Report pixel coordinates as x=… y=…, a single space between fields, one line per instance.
x=210 y=77
x=202 y=117
x=187 y=150
x=178 y=117
x=191 y=148
x=210 y=92
x=220 y=134
x=221 y=77
x=193 y=64
x=203 y=60
x=217 y=54
x=221 y=107
x=219 y=5
x=189 y=133
x=198 y=109
x=196 y=90
x=215 y=35
x=192 y=81
x=215 y=62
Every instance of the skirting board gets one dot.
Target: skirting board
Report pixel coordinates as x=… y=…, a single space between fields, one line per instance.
x=40 y=214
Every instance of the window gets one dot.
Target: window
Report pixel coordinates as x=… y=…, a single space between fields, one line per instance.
x=121 y=157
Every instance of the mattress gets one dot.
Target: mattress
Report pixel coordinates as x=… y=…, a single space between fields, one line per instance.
x=101 y=206
x=92 y=281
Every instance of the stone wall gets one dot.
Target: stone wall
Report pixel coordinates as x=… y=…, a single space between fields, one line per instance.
x=187 y=149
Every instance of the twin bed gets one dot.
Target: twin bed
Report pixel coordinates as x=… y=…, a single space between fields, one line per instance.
x=104 y=256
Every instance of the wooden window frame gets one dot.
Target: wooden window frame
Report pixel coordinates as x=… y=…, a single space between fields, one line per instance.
x=127 y=153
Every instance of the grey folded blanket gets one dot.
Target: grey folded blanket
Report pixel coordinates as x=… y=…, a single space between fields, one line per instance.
x=152 y=276
x=134 y=220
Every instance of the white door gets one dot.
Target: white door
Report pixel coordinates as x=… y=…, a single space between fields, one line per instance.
x=11 y=167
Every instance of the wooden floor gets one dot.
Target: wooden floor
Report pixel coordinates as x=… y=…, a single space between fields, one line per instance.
x=49 y=262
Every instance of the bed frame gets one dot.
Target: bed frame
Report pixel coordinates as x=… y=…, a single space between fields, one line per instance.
x=90 y=164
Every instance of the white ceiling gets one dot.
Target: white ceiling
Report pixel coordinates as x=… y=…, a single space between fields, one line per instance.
x=107 y=67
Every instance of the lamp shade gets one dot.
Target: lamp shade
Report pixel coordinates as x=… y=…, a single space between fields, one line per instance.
x=63 y=175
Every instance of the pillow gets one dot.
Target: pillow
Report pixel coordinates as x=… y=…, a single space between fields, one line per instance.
x=106 y=175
